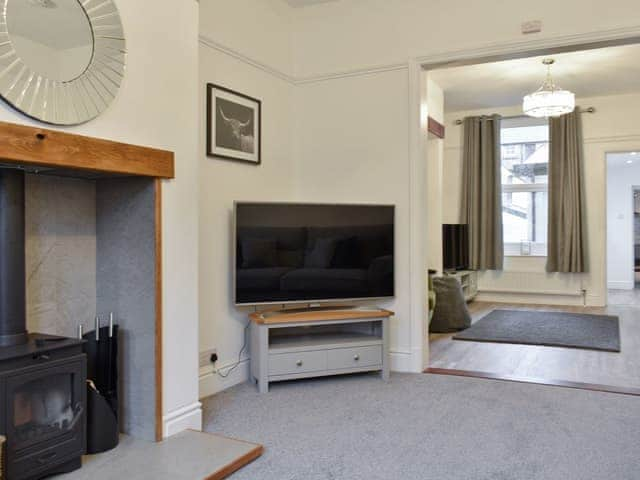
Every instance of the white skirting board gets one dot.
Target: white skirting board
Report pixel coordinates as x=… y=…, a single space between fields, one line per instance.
x=589 y=300
x=525 y=298
x=211 y=383
x=401 y=361
x=185 y=418
x=620 y=285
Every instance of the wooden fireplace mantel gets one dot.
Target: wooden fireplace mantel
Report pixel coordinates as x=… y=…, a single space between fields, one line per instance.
x=38 y=147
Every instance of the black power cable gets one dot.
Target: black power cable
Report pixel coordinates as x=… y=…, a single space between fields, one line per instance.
x=231 y=368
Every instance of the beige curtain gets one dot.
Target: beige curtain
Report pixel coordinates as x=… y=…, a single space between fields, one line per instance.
x=566 y=237
x=482 y=191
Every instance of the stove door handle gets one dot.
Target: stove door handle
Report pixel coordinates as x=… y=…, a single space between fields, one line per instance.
x=43 y=459
x=41 y=356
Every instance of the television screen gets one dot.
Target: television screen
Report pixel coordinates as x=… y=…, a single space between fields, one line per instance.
x=289 y=252
x=455 y=246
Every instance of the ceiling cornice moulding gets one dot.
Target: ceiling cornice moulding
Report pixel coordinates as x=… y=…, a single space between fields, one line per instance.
x=209 y=42
x=499 y=50
x=356 y=72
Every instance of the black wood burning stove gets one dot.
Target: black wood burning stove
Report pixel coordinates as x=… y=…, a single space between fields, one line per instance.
x=42 y=377
x=42 y=402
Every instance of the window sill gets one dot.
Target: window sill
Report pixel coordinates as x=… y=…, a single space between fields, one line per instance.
x=516 y=249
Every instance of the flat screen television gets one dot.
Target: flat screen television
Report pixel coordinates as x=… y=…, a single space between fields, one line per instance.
x=308 y=253
x=455 y=246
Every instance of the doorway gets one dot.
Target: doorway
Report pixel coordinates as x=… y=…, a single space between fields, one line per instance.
x=523 y=287
x=623 y=228
x=420 y=72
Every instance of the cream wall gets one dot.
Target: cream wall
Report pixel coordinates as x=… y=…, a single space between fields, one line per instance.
x=157 y=106
x=350 y=143
x=434 y=160
x=222 y=182
x=612 y=128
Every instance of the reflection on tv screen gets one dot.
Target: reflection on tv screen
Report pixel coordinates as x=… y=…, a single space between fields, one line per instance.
x=300 y=252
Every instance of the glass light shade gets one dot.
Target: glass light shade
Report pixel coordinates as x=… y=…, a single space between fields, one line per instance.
x=549 y=103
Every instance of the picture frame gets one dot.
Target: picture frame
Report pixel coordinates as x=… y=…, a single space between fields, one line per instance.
x=234 y=125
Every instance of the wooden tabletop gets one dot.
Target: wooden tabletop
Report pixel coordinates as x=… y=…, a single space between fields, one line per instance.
x=315 y=315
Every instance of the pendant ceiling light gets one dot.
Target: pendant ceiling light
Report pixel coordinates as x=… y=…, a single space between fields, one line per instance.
x=549 y=100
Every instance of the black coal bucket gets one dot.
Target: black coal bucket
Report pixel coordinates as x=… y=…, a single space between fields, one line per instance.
x=102 y=424
x=102 y=390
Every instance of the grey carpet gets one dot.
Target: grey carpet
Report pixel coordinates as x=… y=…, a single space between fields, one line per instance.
x=555 y=329
x=429 y=427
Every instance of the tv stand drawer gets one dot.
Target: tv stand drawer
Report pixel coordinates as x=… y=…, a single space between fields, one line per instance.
x=301 y=362
x=354 y=357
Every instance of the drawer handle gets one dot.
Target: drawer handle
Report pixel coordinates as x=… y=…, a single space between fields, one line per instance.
x=299 y=363
x=356 y=357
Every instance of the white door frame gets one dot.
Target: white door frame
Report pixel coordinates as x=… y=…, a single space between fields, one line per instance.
x=634 y=188
x=417 y=66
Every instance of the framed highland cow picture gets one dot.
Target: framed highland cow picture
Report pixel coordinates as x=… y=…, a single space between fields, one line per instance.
x=233 y=125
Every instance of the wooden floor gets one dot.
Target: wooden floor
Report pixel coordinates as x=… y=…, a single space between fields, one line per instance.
x=552 y=363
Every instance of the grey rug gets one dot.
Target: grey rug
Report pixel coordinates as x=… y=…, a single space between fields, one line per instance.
x=555 y=329
x=429 y=427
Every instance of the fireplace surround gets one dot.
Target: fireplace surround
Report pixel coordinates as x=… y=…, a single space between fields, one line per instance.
x=43 y=376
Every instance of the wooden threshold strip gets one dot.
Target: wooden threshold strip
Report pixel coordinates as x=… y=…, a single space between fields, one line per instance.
x=538 y=381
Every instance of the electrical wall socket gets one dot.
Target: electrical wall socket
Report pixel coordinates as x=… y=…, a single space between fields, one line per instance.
x=205 y=357
x=532 y=26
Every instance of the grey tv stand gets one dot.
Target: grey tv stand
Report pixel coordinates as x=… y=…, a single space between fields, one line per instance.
x=315 y=342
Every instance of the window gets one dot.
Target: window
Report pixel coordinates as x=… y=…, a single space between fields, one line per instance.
x=525 y=167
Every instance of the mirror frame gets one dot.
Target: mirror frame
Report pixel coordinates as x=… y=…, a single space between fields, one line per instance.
x=74 y=101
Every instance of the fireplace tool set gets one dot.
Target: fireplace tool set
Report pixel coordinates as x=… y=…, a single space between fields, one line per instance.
x=101 y=348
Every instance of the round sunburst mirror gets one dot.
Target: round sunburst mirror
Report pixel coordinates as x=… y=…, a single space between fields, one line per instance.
x=61 y=61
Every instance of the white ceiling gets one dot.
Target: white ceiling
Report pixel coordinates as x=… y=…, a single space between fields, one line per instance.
x=623 y=159
x=306 y=3
x=589 y=73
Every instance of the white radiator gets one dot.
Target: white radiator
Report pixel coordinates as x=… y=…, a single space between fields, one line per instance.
x=536 y=283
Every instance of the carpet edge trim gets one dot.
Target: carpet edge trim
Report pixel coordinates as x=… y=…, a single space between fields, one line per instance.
x=594 y=387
